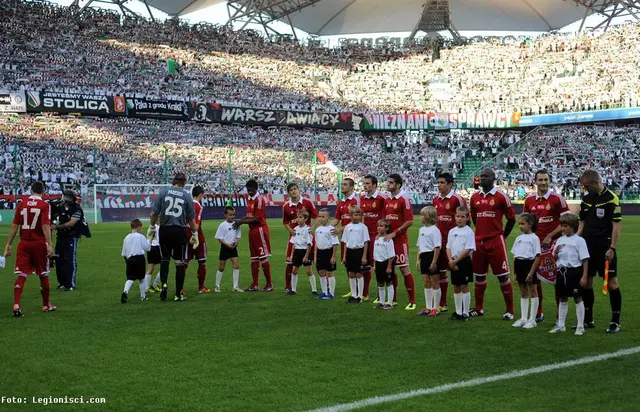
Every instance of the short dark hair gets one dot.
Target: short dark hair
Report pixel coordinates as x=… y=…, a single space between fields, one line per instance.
x=448 y=177
x=373 y=179
x=542 y=172
x=531 y=219
x=179 y=179
x=291 y=186
x=229 y=209
x=591 y=175
x=135 y=223
x=197 y=191
x=396 y=178
x=352 y=183
x=570 y=220
x=37 y=188
x=251 y=184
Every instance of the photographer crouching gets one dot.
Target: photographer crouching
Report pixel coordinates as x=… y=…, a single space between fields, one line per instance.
x=70 y=225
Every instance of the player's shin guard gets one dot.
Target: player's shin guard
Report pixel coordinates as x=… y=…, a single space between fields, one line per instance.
x=255 y=273
x=588 y=298
x=539 y=311
x=18 y=287
x=367 y=283
x=507 y=294
x=444 y=287
x=180 y=272
x=164 y=272
x=266 y=268
x=615 y=298
x=44 y=290
x=410 y=285
x=287 y=276
x=394 y=283
x=202 y=274
x=480 y=288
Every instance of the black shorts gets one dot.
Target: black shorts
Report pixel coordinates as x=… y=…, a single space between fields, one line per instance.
x=425 y=262
x=324 y=260
x=464 y=274
x=136 y=267
x=173 y=239
x=522 y=267
x=298 y=256
x=381 y=272
x=597 y=260
x=153 y=256
x=228 y=253
x=353 y=260
x=568 y=282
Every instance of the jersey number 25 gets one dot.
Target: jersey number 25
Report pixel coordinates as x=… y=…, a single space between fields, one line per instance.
x=174 y=206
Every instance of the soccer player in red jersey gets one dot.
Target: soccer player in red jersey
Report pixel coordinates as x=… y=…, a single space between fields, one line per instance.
x=446 y=204
x=399 y=213
x=372 y=205
x=34 y=249
x=259 y=241
x=548 y=207
x=488 y=206
x=289 y=220
x=200 y=253
x=343 y=216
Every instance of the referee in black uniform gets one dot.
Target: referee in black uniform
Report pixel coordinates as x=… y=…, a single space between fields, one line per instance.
x=600 y=221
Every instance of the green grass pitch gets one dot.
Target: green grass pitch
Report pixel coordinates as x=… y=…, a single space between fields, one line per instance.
x=271 y=352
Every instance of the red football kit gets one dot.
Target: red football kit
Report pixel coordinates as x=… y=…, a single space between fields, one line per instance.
x=259 y=242
x=343 y=215
x=398 y=210
x=290 y=214
x=446 y=207
x=373 y=209
x=31 y=256
x=200 y=252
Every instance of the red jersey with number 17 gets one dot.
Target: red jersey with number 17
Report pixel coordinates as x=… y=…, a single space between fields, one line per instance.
x=446 y=207
x=342 y=210
x=290 y=212
x=398 y=210
x=487 y=211
x=548 y=209
x=256 y=208
x=197 y=207
x=30 y=216
x=372 y=210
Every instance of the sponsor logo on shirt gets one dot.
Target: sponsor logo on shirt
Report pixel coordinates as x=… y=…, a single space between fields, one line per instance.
x=487 y=214
x=546 y=219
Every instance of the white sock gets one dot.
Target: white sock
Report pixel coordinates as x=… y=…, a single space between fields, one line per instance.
x=428 y=297
x=332 y=285
x=147 y=280
x=323 y=284
x=143 y=289
x=457 y=298
x=466 y=303
x=127 y=285
x=563 y=308
x=312 y=280
x=437 y=295
x=156 y=282
x=294 y=282
x=218 y=278
x=580 y=313
x=352 y=287
x=524 y=308
x=535 y=302
x=236 y=278
x=360 y=282
x=381 y=294
x=390 y=293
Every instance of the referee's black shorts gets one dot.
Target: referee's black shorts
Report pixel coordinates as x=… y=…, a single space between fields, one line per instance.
x=597 y=260
x=173 y=239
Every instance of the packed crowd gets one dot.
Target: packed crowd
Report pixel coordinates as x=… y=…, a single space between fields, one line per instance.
x=47 y=46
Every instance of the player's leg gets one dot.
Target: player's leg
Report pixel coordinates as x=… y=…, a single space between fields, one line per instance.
x=140 y=272
x=563 y=292
x=222 y=263
x=457 y=299
x=324 y=284
x=435 y=293
x=615 y=296
x=402 y=255
x=131 y=277
x=381 y=279
x=265 y=241
x=443 y=266
x=40 y=263
x=428 y=295
x=311 y=277
x=201 y=255
x=235 y=265
x=179 y=245
x=60 y=275
x=480 y=264
x=534 y=302
x=343 y=251
x=165 y=260
x=288 y=265
x=254 y=249
x=539 y=295
x=366 y=275
x=294 y=280
x=24 y=266
x=596 y=266
x=331 y=279
x=500 y=267
x=521 y=271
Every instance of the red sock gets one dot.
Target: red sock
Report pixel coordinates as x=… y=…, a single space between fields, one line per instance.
x=540 y=311
x=367 y=283
x=507 y=293
x=266 y=268
x=394 y=282
x=202 y=274
x=18 y=288
x=410 y=285
x=479 y=292
x=444 y=286
x=44 y=290
x=287 y=276
x=255 y=271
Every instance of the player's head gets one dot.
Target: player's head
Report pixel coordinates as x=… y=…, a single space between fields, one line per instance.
x=462 y=216
x=569 y=224
x=370 y=184
x=37 y=188
x=347 y=186
x=252 y=187
x=229 y=213
x=323 y=216
x=591 y=181
x=197 y=193
x=136 y=225
x=445 y=183
x=293 y=190
x=543 y=180
x=429 y=215
x=356 y=213
x=383 y=227
x=302 y=217
x=528 y=223
x=69 y=196
x=487 y=179
x=179 y=179
x=394 y=183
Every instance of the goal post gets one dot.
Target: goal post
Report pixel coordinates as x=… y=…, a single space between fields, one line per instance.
x=125 y=201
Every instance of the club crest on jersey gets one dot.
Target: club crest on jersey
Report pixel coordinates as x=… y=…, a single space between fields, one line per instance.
x=548 y=206
x=373 y=205
x=492 y=202
x=600 y=213
x=395 y=206
x=448 y=206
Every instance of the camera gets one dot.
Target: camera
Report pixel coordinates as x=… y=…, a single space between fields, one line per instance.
x=58 y=211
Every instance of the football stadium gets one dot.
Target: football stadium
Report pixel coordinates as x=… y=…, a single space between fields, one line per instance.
x=319 y=205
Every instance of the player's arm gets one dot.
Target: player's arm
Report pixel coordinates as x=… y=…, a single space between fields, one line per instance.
x=615 y=232
x=146 y=245
x=334 y=254
x=473 y=212
x=46 y=230
x=365 y=253
x=306 y=255
x=155 y=212
x=583 y=216
x=74 y=219
x=434 y=261
x=12 y=236
x=534 y=267
x=286 y=226
x=315 y=253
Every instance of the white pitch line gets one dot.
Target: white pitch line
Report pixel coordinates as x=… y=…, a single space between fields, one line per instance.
x=475 y=382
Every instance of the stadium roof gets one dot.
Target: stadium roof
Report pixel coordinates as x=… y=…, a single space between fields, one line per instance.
x=338 y=17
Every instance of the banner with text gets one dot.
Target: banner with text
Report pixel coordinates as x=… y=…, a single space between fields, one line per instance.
x=580 y=117
x=438 y=121
x=12 y=102
x=157 y=109
x=86 y=104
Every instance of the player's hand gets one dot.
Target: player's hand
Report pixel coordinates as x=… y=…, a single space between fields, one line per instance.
x=452 y=264
x=332 y=261
x=610 y=255
x=291 y=231
x=336 y=231
x=363 y=261
x=433 y=269
x=557 y=250
x=49 y=251
x=7 y=251
x=529 y=279
x=344 y=262
x=546 y=243
x=195 y=242
x=389 y=271
x=583 y=281
x=237 y=223
x=418 y=265
x=151 y=232
x=390 y=236
x=455 y=268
